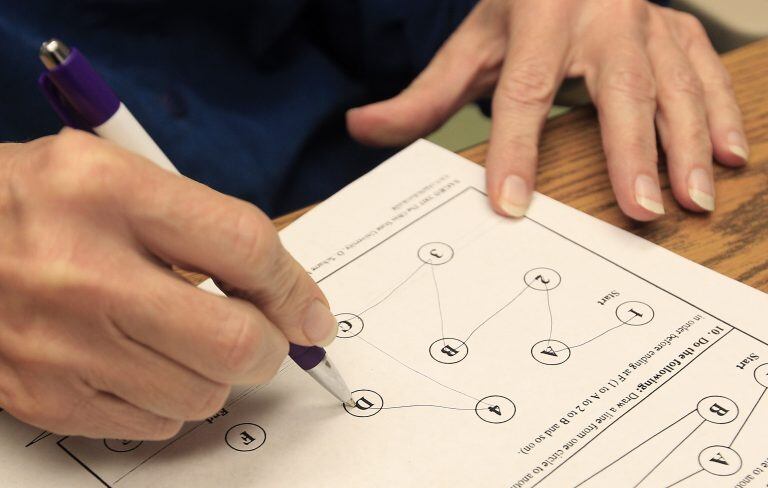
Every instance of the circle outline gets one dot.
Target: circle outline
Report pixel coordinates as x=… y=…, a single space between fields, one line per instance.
x=346 y=409
x=418 y=253
x=741 y=461
x=616 y=313
x=125 y=450
x=559 y=279
x=567 y=348
x=443 y=339
x=496 y=396
x=355 y=316
x=738 y=411
x=226 y=435
x=754 y=374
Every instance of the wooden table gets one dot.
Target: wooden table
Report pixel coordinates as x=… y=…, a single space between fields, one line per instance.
x=732 y=241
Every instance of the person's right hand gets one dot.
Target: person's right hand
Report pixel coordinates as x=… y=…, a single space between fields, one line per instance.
x=98 y=337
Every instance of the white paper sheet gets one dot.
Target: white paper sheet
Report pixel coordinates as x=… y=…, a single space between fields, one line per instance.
x=555 y=350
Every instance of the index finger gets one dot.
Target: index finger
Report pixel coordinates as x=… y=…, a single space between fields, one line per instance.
x=532 y=72
x=195 y=227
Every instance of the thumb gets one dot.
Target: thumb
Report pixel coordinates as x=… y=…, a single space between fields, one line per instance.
x=415 y=112
x=464 y=68
x=289 y=297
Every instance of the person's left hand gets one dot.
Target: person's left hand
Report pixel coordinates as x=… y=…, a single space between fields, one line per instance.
x=646 y=67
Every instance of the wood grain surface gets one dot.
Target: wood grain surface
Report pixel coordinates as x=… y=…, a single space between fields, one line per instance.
x=733 y=240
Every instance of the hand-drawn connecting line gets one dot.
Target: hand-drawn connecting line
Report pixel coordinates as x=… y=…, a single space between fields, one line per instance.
x=718 y=460
x=553 y=352
x=452 y=350
x=38 y=437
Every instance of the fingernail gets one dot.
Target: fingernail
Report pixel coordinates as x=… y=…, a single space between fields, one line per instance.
x=701 y=189
x=648 y=194
x=515 y=196
x=320 y=325
x=737 y=145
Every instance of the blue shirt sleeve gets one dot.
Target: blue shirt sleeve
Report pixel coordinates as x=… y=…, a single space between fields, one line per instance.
x=247 y=97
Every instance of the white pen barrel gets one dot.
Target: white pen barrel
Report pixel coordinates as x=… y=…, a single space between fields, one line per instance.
x=124 y=130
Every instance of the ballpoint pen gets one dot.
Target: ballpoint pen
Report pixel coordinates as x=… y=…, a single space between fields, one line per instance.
x=83 y=100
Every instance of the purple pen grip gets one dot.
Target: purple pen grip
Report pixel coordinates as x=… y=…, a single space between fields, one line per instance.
x=306 y=357
x=77 y=82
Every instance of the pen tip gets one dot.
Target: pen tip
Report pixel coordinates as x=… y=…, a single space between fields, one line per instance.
x=350 y=403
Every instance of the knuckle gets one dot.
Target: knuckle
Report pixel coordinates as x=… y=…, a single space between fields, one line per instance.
x=255 y=239
x=240 y=342
x=45 y=158
x=46 y=411
x=488 y=60
x=527 y=84
x=64 y=414
x=636 y=4
x=632 y=83
x=30 y=410
x=627 y=9
x=77 y=164
x=692 y=25
x=208 y=401
x=67 y=278
x=721 y=79
x=643 y=146
x=72 y=142
x=517 y=153
x=635 y=146
x=521 y=147
x=69 y=150
x=684 y=81
x=639 y=9
x=698 y=133
x=290 y=289
x=34 y=366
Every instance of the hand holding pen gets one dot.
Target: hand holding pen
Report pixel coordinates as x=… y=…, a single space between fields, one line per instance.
x=102 y=338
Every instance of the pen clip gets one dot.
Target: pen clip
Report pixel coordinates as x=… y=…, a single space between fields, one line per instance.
x=66 y=112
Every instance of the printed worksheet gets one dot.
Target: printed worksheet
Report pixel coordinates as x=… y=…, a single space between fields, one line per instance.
x=553 y=350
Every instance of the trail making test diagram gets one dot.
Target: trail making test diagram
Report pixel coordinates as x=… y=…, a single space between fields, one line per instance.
x=484 y=352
